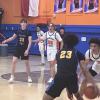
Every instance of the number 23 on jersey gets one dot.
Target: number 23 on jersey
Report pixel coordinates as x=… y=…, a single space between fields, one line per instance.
x=66 y=54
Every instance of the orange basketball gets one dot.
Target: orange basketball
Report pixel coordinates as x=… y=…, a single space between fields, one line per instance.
x=91 y=92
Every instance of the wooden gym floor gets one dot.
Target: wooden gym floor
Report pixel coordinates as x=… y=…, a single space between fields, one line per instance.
x=20 y=89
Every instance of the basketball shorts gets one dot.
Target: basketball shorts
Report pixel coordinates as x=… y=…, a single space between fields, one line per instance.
x=41 y=46
x=19 y=53
x=51 y=54
x=59 y=83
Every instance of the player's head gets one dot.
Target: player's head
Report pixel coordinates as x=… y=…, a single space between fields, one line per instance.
x=70 y=40
x=51 y=27
x=38 y=28
x=23 y=23
x=62 y=30
x=94 y=44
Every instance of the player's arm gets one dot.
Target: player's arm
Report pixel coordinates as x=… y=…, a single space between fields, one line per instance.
x=61 y=46
x=35 y=41
x=85 y=71
x=42 y=38
x=83 y=66
x=29 y=42
x=29 y=45
x=9 y=39
x=87 y=58
x=58 y=37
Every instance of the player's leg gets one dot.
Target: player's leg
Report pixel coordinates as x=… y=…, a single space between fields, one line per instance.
x=41 y=49
x=55 y=88
x=28 y=70
x=52 y=68
x=26 y=59
x=51 y=59
x=14 y=61
x=73 y=88
x=70 y=95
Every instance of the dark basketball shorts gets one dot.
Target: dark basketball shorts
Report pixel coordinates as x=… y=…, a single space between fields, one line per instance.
x=59 y=83
x=19 y=53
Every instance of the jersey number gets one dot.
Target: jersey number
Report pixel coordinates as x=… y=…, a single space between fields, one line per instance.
x=66 y=54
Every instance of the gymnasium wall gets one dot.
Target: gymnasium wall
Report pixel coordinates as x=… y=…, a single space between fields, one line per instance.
x=83 y=25
x=12 y=14
x=84 y=32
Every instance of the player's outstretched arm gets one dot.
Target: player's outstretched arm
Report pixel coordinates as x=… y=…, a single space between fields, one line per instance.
x=9 y=39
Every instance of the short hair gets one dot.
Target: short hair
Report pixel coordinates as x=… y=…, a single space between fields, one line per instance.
x=51 y=24
x=95 y=40
x=70 y=40
x=62 y=28
x=23 y=21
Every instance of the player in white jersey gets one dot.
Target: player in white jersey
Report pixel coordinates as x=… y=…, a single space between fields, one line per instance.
x=93 y=55
x=92 y=58
x=51 y=37
x=41 y=45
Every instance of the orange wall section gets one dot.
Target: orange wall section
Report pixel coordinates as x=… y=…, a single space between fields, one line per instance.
x=12 y=14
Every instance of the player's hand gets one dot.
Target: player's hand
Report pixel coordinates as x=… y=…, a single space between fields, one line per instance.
x=35 y=41
x=90 y=81
x=26 y=53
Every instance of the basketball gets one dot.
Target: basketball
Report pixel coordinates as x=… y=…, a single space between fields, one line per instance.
x=91 y=92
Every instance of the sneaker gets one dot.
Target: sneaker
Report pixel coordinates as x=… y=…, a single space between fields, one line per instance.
x=50 y=80
x=11 y=80
x=29 y=79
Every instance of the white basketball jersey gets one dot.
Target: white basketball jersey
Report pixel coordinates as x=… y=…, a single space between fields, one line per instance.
x=39 y=35
x=52 y=39
x=95 y=59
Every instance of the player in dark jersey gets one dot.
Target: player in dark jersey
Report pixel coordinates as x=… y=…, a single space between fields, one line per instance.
x=66 y=77
x=62 y=32
x=22 y=48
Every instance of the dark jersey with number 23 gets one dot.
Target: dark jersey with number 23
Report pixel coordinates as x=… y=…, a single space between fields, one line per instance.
x=22 y=36
x=67 y=61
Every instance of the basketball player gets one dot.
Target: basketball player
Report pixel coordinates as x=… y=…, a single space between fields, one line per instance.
x=93 y=56
x=51 y=37
x=66 y=77
x=62 y=32
x=22 y=48
x=41 y=45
